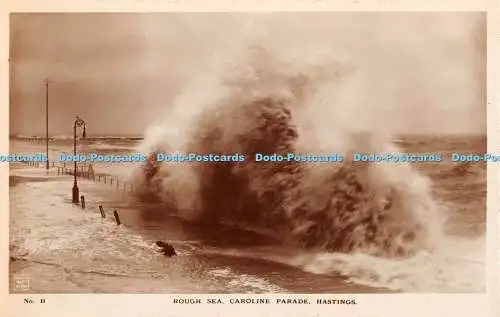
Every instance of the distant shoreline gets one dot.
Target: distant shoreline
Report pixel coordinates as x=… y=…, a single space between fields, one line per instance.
x=67 y=137
x=140 y=137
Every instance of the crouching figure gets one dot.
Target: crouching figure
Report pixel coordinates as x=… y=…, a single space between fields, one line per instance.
x=166 y=248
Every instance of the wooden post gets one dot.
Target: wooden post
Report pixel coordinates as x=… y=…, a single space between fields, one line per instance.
x=103 y=214
x=117 y=218
x=111 y=180
x=83 y=201
x=105 y=179
x=117 y=184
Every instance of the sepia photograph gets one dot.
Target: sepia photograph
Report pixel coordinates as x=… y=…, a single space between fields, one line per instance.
x=247 y=153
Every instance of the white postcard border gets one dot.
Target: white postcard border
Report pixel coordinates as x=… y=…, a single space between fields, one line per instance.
x=371 y=305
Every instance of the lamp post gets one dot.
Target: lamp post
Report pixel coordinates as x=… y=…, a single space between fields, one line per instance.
x=47 y=121
x=78 y=123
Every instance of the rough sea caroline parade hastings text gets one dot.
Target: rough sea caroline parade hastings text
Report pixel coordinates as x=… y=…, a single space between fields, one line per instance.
x=259 y=301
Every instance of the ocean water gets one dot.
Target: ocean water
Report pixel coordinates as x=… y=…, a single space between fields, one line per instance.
x=62 y=248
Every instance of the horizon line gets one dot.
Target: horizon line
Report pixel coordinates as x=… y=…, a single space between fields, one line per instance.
x=125 y=135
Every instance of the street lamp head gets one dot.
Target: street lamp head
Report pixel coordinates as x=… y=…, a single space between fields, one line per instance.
x=84 y=132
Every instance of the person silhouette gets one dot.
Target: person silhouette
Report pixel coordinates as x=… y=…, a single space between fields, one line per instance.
x=167 y=249
x=90 y=171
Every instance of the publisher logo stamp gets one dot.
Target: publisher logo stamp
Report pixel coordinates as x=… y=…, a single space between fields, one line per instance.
x=21 y=282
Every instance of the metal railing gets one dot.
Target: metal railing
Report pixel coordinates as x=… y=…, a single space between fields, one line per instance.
x=83 y=172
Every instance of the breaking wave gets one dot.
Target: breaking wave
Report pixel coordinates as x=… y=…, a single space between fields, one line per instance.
x=271 y=106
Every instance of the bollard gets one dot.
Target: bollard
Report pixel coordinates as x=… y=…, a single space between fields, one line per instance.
x=103 y=214
x=83 y=201
x=117 y=218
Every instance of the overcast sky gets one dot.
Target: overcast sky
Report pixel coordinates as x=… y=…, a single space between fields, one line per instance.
x=425 y=71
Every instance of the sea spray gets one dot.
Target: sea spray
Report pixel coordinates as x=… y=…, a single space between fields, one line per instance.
x=269 y=107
